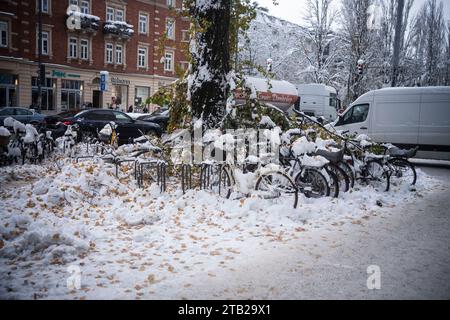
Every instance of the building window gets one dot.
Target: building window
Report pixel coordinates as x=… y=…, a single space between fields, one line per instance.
x=45 y=6
x=73 y=46
x=119 y=15
x=3 y=34
x=84 y=49
x=184 y=66
x=143 y=23
x=48 y=94
x=168 y=61
x=8 y=90
x=71 y=94
x=109 y=14
x=171 y=3
x=141 y=94
x=85 y=7
x=45 y=42
x=142 y=57
x=109 y=53
x=170 y=29
x=119 y=54
x=114 y=14
x=185 y=36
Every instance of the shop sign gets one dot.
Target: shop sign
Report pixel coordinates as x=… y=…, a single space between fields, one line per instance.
x=117 y=81
x=61 y=74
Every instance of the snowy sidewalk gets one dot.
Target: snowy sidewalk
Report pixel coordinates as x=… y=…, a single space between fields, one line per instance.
x=78 y=222
x=410 y=243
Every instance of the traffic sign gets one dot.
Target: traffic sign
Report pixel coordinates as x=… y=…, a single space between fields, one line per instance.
x=104 y=80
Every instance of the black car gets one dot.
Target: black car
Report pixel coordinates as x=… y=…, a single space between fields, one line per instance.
x=69 y=113
x=94 y=120
x=161 y=117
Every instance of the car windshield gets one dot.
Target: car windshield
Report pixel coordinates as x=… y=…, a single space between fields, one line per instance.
x=160 y=112
x=80 y=114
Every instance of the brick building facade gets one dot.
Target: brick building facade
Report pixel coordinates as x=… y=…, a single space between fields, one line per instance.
x=123 y=37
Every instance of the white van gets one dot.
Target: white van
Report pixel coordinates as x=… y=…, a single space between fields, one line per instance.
x=406 y=117
x=318 y=100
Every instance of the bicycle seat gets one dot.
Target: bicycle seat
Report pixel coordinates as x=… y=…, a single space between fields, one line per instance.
x=400 y=153
x=330 y=155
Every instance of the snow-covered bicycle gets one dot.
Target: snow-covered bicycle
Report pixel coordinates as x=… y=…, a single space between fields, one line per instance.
x=255 y=176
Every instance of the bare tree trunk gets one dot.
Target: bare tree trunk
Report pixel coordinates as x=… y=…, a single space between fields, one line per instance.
x=208 y=83
x=397 y=41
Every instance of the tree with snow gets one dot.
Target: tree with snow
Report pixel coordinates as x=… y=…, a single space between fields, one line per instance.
x=319 y=44
x=428 y=44
x=208 y=83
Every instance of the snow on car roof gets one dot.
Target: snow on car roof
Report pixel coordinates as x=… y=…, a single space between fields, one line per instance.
x=277 y=86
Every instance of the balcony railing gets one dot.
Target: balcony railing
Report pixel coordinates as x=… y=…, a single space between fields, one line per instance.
x=83 y=22
x=118 y=29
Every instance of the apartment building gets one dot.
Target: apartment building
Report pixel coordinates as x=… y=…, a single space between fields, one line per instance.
x=81 y=38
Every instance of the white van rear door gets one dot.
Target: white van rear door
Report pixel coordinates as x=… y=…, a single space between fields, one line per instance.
x=396 y=117
x=435 y=118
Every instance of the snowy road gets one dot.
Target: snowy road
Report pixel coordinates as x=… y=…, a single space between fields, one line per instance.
x=77 y=232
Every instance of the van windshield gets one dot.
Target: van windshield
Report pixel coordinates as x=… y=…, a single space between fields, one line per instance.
x=356 y=114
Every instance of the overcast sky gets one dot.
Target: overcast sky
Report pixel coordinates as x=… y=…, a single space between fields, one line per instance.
x=293 y=10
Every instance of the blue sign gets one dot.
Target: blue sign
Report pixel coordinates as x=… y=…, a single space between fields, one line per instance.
x=103 y=80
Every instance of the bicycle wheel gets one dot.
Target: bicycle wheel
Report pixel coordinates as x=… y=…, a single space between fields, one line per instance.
x=348 y=171
x=344 y=180
x=376 y=175
x=404 y=171
x=216 y=179
x=312 y=183
x=333 y=182
x=277 y=185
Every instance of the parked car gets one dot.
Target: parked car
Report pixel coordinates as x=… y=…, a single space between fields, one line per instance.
x=69 y=113
x=161 y=117
x=23 y=115
x=405 y=117
x=95 y=120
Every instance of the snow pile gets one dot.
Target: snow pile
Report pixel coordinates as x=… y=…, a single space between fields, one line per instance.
x=84 y=15
x=31 y=134
x=225 y=142
x=325 y=144
x=314 y=161
x=107 y=130
x=13 y=123
x=125 y=237
x=204 y=5
x=4 y=132
x=364 y=140
x=302 y=146
x=267 y=122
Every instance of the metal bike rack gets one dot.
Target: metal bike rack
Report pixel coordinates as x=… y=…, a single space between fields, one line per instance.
x=77 y=159
x=157 y=166
x=120 y=162
x=207 y=170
